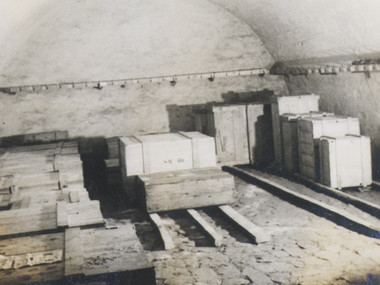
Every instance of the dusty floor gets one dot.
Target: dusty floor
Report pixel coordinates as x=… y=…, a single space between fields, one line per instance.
x=305 y=248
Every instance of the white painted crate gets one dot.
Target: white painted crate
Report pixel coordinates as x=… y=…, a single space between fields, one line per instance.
x=345 y=161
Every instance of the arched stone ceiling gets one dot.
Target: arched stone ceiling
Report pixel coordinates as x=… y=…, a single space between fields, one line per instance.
x=82 y=40
x=48 y=41
x=306 y=29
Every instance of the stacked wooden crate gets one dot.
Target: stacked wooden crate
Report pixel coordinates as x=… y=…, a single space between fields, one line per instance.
x=173 y=170
x=289 y=104
x=238 y=130
x=289 y=134
x=301 y=136
x=310 y=130
x=42 y=203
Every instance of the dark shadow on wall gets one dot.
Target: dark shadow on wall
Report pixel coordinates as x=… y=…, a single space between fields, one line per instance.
x=182 y=117
x=263 y=151
x=262 y=96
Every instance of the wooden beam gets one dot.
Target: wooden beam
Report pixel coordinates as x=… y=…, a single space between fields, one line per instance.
x=249 y=227
x=207 y=228
x=166 y=238
x=340 y=217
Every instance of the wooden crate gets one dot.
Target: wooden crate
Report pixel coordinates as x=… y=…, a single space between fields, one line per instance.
x=185 y=189
x=289 y=104
x=166 y=152
x=203 y=149
x=112 y=147
x=289 y=132
x=345 y=161
x=228 y=124
x=260 y=139
x=309 y=132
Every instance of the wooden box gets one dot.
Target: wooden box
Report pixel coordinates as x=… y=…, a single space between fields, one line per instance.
x=289 y=104
x=228 y=125
x=166 y=152
x=309 y=132
x=112 y=147
x=345 y=161
x=203 y=149
x=289 y=133
x=185 y=189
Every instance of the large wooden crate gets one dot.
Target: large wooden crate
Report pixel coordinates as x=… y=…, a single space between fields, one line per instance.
x=185 y=189
x=289 y=133
x=289 y=104
x=345 y=161
x=155 y=153
x=228 y=124
x=309 y=132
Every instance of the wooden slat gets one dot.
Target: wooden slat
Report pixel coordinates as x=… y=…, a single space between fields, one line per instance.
x=79 y=214
x=73 y=252
x=208 y=229
x=28 y=220
x=253 y=230
x=166 y=238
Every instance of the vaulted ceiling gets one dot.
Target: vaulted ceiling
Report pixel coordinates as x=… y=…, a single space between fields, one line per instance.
x=47 y=41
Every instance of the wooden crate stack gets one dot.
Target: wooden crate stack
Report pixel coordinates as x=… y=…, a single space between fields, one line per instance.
x=43 y=205
x=240 y=132
x=289 y=104
x=302 y=135
x=173 y=170
x=112 y=164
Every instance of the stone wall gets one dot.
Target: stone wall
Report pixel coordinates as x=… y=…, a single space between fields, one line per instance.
x=137 y=108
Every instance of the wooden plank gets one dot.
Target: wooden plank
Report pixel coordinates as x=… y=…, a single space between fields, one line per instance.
x=73 y=252
x=207 y=228
x=102 y=251
x=34 y=219
x=165 y=236
x=26 y=248
x=249 y=227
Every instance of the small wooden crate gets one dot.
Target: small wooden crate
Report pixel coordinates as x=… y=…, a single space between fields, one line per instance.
x=185 y=189
x=309 y=132
x=203 y=149
x=289 y=104
x=345 y=161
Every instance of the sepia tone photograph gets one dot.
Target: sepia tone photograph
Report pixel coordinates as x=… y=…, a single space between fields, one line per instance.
x=189 y=142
